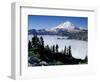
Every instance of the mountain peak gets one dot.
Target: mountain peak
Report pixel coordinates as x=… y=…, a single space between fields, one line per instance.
x=67 y=25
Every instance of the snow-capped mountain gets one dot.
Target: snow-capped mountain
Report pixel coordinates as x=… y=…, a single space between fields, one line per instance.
x=69 y=26
x=64 y=29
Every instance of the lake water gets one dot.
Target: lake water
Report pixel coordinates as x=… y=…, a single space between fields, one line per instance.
x=78 y=47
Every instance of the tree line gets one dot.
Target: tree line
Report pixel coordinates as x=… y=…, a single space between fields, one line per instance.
x=51 y=55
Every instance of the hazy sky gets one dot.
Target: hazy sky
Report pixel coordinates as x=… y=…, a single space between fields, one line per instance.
x=47 y=22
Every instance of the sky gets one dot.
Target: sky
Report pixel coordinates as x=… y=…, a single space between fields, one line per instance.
x=48 y=22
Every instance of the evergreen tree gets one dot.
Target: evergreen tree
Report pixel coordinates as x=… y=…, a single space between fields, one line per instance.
x=57 y=48
x=29 y=45
x=35 y=41
x=42 y=41
x=70 y=54
x=86 y=59
x=65 y=50
x=53 y=48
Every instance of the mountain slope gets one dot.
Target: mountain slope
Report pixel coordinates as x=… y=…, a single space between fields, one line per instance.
x=64 y=29
x=70 y=27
